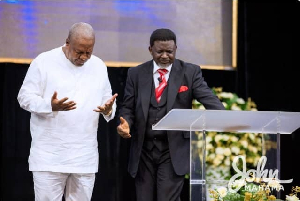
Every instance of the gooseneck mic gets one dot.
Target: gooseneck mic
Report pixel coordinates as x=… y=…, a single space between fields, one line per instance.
x=159 y=79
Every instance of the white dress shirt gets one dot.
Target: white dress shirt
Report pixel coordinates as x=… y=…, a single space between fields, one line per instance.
x=64 y=141
x=156 y=73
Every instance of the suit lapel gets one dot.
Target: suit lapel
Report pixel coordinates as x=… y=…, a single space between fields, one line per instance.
x=145 y=86
x=174 y=82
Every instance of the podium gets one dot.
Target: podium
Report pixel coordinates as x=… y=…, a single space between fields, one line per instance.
x=273 y=123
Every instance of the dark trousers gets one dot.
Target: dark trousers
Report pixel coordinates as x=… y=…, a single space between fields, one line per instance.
x=156 y=179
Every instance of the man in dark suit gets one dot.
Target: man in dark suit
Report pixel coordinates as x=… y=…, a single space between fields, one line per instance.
x=160 y=159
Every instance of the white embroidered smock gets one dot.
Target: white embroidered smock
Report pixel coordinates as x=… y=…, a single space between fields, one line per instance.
x=64 y=141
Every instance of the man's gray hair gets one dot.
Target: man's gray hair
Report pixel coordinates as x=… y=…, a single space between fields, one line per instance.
x=81 y=29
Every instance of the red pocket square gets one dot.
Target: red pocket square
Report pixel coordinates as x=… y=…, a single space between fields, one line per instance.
x=182 y=89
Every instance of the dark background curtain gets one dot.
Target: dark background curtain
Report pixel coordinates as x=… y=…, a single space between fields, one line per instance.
x=267 y=69
x=267 y=72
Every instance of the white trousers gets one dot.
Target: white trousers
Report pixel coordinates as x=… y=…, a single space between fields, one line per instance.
x=50 y=186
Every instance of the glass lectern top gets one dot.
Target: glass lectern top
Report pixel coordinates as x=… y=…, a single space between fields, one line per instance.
x=271 y=122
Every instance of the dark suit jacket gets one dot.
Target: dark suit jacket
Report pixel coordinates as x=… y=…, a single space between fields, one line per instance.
x=136 y=104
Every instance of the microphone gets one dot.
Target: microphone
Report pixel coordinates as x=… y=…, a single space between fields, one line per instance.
x=159 y=80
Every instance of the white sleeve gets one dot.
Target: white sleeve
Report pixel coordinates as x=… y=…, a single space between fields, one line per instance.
x=107 y=95
x=30 y=96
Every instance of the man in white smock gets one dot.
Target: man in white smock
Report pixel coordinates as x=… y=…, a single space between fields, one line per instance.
x=66 y=89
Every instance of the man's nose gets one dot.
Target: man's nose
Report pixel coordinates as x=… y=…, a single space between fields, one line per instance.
x=164 y=54
x=84 y=57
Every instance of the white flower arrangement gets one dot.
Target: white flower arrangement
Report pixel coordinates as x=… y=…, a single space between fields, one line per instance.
x=292 y=198
x=294 y=194
x=253 y=191
x=221 y=148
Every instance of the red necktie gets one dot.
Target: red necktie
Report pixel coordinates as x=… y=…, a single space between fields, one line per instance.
x=162 y=84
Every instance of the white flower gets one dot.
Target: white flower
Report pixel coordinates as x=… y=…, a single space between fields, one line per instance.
x=222 y=191
x=208 y=139
x=227 y=152
x=226 y=95
x=257 y=180
x=227 y=161
x=219 y=151
x=218 y=137
x=240 y=101
x=244 y=143
x=220 y=157
x=235 y=150
x=217 y=161
x=253 y=149
x=252 y=136
x=274 y=183
x=225 y=137
x=234 y=138
x=291 y=198
x=235 y=107
x=225 y=104
x=211 y=156
x=238 y=183
x=199 y=144
x=202 y=107
x=209 y=147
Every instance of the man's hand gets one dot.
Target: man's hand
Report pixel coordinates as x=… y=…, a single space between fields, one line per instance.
x=106 y=109
x=61 y=105
x=123 y=129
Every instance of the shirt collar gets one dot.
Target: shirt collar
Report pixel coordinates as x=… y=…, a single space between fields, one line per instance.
x=155 y=67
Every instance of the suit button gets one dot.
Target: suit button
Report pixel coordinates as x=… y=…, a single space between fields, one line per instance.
x=154 y=138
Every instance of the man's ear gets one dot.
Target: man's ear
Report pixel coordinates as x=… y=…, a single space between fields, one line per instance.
x=150 y=49
x=67 y=41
